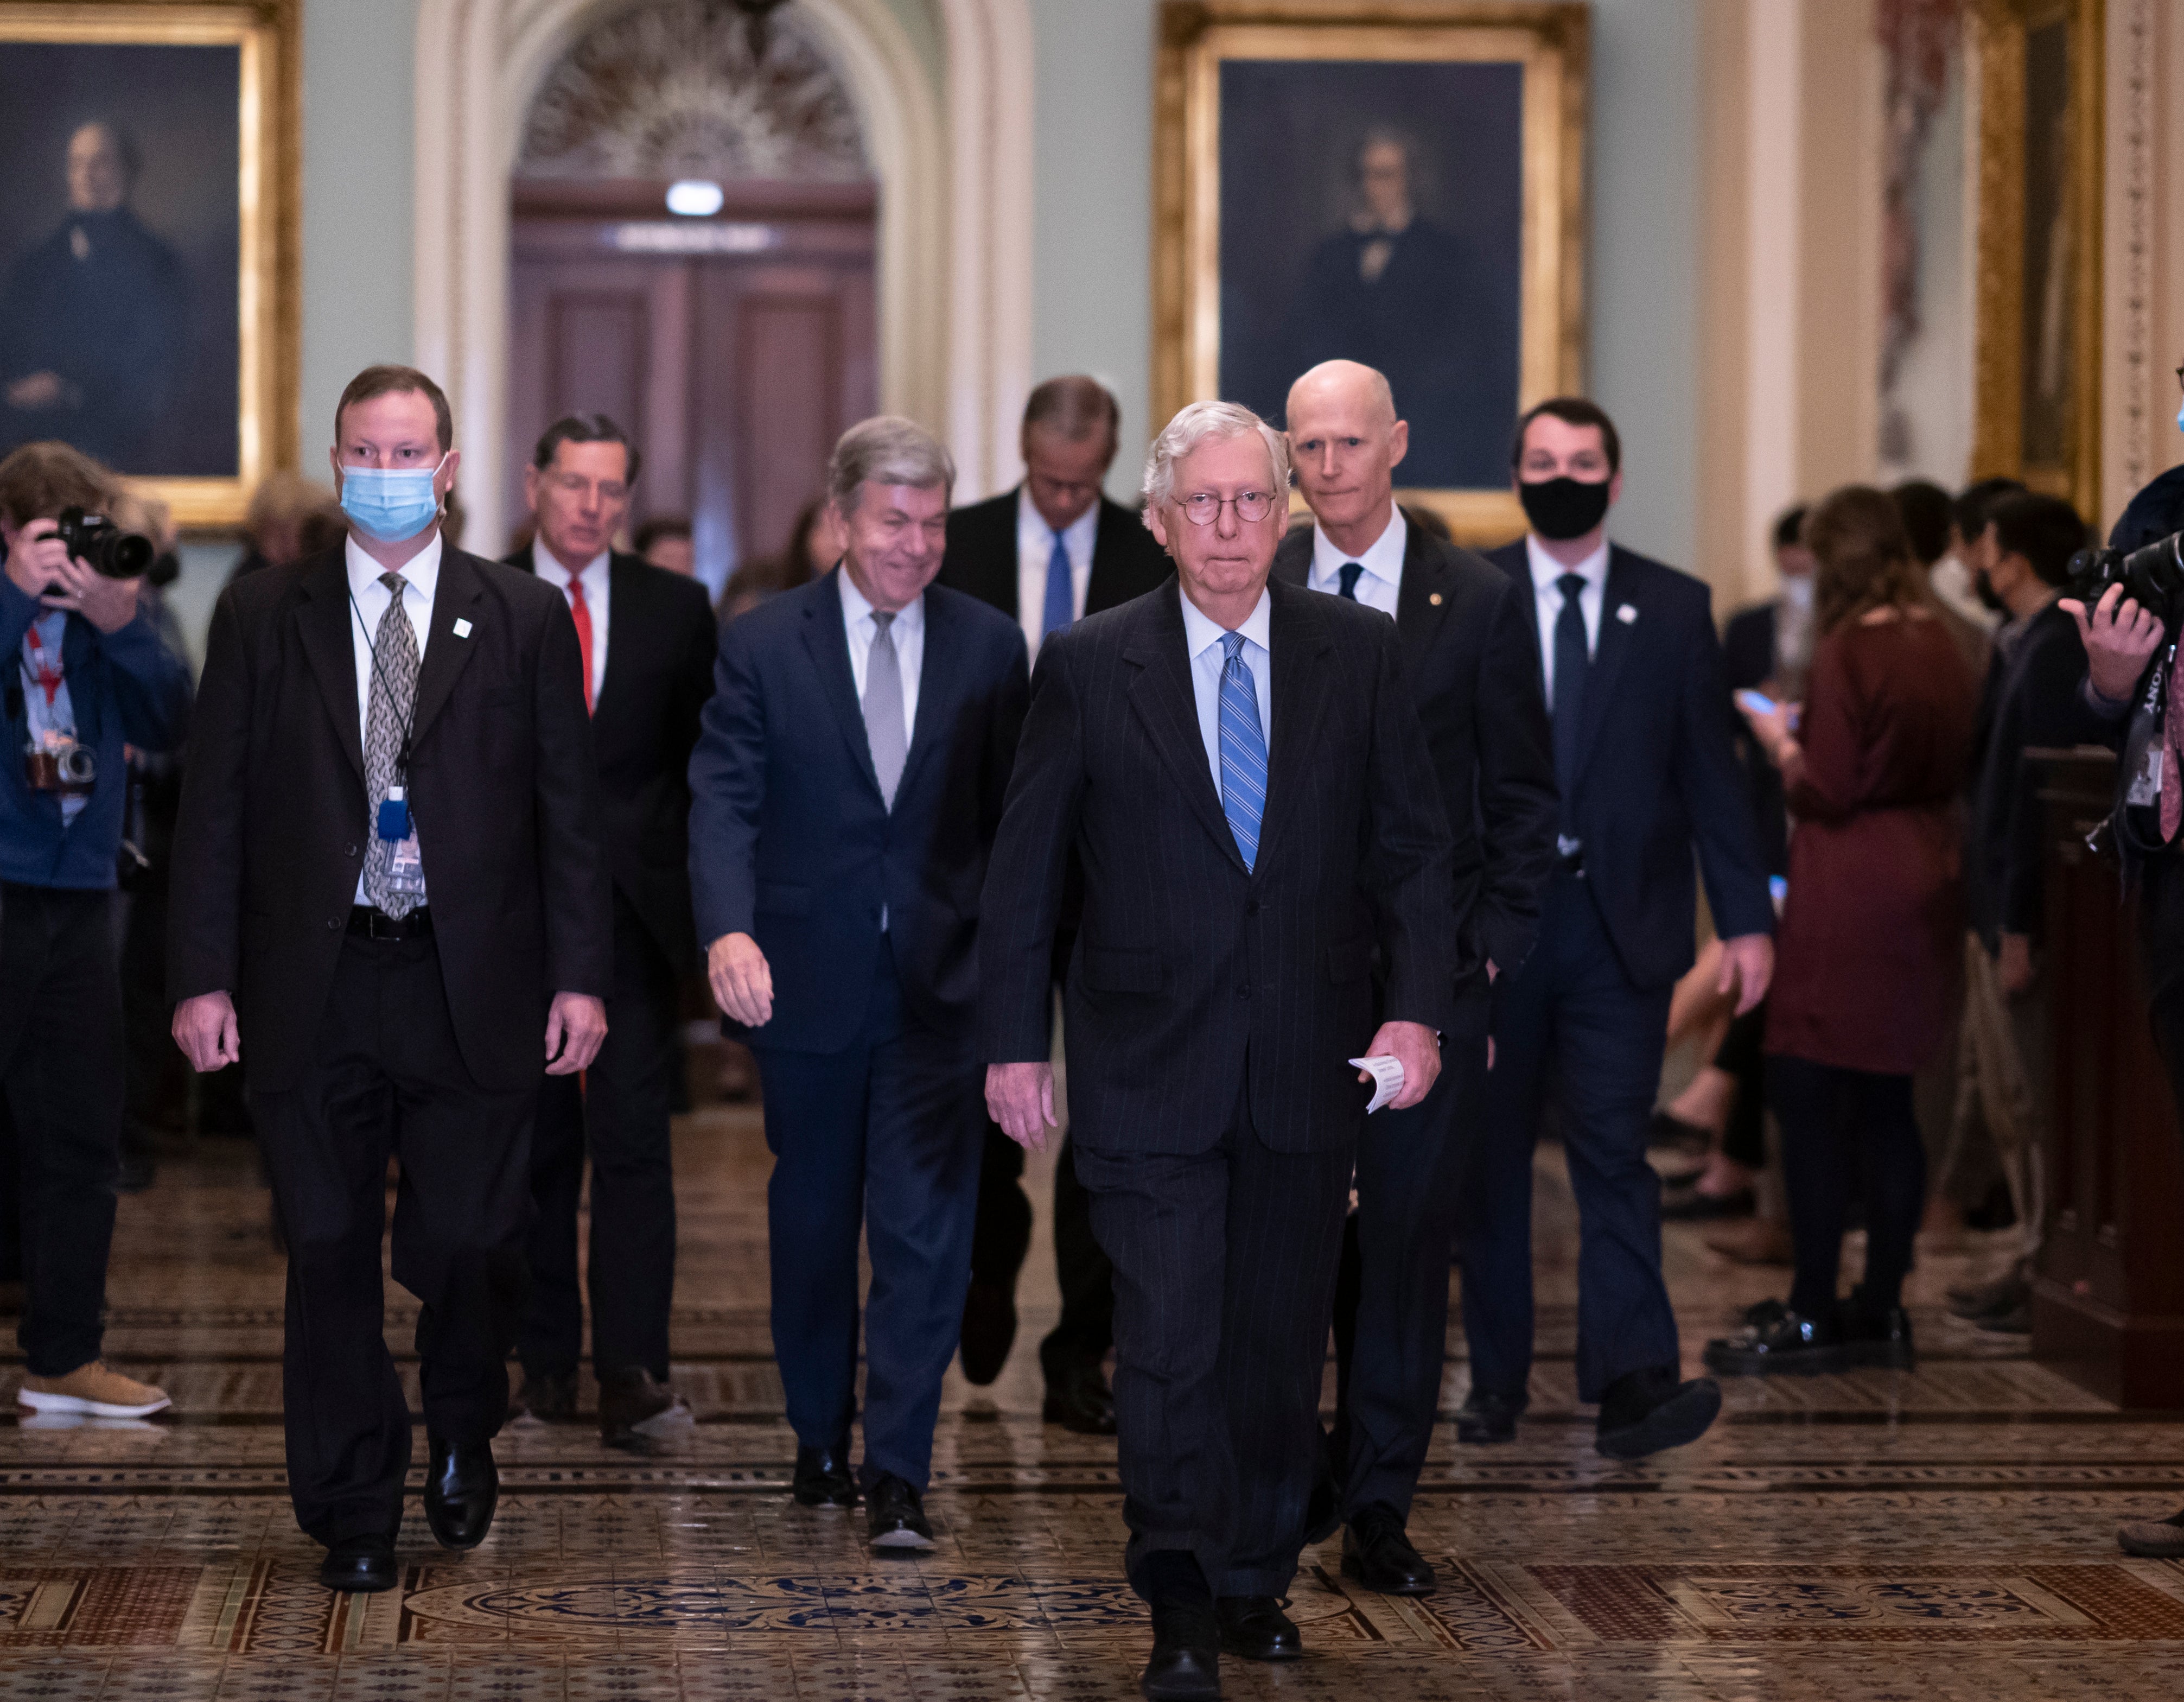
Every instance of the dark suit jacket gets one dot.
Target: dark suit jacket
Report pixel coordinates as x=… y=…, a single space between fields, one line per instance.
x=503 y=784
x=2030 y=700
x=791 y=842
x=1470 y=657
x=1658 y=770
x=1194 y=979
x=1127 y=560
x=644 y=724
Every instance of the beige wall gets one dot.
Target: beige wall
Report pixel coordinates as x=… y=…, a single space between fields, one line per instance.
x=2143 y=248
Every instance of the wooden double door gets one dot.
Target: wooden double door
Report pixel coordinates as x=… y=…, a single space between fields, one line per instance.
x=733 y=349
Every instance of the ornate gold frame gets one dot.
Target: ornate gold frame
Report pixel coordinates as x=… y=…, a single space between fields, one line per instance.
x=1549 y=40
x=2000 y=29
x=270 y=33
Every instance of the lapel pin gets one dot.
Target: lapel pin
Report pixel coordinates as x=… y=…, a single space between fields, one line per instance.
x=462 y=629
x=1626 y=614
x=1434 y=599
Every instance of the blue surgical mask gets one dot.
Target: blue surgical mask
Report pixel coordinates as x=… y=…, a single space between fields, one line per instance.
x=2180 y=419
x=391 y=504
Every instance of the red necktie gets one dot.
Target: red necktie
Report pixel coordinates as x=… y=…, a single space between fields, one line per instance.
x=580 y=611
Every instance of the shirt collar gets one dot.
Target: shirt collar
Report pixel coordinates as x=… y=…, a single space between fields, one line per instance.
x=421 y=570
x=548 y=567
x=909 y=618
x=1384 y=560
x=1546 y=570
x=1200 y=632
x=1032 y=527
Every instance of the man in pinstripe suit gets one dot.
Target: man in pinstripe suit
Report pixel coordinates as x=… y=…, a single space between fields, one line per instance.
x=1241 y=771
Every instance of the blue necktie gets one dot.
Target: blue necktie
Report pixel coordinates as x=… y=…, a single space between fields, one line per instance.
x=1350 y=570
x=1060 y=601
x=1573 y=661
x=1243 y=749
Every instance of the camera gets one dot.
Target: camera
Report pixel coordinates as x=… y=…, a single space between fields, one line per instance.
x=2151 y=576
x=61 y=765
x=104 y=547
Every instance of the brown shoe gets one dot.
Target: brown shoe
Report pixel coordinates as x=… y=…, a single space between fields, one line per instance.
x=1755 y=1240
x=94 y=1390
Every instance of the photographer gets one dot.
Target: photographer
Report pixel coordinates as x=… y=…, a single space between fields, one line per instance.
x=90 y=675
x=2131 y=684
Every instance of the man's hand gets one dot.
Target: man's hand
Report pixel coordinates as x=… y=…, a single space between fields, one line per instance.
x=742 y=980
x=1747 y=965
x=1418 y=1049
x=1020 y=1097
x=2120 y=638
x=2014 y=967
x=205 y=1030
x=35 y=559
x=108 y=605
x=576 y=1027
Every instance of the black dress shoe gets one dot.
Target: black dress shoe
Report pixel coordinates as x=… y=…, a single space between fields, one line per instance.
x=1256 y=1628
x=1880 y=1335
x=633 y=1408
x=1487 y=1416
x=822 y=1477
x=1186 y=1659
x=1647 y=1411
x=989 y=1331
x=360 y=1566
x=462 y=1487
x=1378 y=1554
x=1079 y=1400
x=1780 y=1342
x=894 y=1517
x=550 y=1396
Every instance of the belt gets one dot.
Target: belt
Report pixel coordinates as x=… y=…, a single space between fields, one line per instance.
x=368 y=922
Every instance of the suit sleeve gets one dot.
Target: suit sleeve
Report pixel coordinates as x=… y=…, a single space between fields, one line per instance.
x=2055 y=717
x=693 y=678
x=573 y=863
x=1022 y=905
x=151 y=683
x=1517 y=802
x=728 y=792
x=205 y=903
x=1716 y=798
x=1410 y=867
x=1011 y=703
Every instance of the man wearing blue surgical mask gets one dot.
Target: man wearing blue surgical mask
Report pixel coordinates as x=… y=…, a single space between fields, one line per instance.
x=388 y=882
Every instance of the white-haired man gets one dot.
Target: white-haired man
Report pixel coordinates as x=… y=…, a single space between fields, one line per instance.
x=1239 y=768
x=844 y=796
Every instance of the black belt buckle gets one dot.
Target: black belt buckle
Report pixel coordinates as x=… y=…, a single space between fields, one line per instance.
x=369 y=921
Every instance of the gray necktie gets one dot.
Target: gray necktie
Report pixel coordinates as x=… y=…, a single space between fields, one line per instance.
x=883 y=729
x=387 y=718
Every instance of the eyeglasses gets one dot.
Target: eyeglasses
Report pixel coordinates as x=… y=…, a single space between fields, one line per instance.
x=1205 y=508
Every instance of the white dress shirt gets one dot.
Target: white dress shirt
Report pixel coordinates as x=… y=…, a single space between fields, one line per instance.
x=908 y=633
x=1035 y=549
x=1548 y=595
x=368 y=601
x=1382 y=581
x=598 y=597
x=1201 y=637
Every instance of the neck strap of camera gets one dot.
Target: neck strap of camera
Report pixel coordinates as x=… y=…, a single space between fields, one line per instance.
x=379 y=673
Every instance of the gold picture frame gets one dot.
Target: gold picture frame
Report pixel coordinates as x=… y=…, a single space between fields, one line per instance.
x=2040 y=65
x=1548 y=43
x=266 y=149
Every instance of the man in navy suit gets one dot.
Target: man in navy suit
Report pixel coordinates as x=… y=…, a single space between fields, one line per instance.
x=845 y=793
x=1646 y=769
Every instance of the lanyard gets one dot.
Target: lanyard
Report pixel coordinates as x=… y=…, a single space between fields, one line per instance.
x=401 y=757
x=47 y=676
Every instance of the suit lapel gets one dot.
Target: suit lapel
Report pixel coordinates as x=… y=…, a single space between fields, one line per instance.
x=1422 y=601
x=1615 y=637
x=937 y=680
x=827 y=637
x=323 y=622
x=1162 y=697
x=458 y=594
x=1299 y=647
x=625 y=598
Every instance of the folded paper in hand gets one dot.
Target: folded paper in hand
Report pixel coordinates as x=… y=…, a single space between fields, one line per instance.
x=1387 y=1074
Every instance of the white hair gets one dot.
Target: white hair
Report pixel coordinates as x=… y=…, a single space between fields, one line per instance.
x=1205 y=422
x=886 y=451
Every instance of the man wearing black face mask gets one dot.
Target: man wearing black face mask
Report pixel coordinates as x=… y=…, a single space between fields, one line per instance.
x=1647 y=768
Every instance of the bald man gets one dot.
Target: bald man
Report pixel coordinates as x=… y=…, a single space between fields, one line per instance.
x=1468 y=659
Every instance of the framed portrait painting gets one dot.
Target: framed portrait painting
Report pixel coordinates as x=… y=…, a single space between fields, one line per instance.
x=2040 y=68
x=147 y=241
x=1396 y=182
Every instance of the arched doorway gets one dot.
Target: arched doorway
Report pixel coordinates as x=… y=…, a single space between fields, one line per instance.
x=736 y=340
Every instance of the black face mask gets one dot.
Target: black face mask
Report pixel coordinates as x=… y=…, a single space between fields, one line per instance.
x=1983 y=589
x=1563 y=508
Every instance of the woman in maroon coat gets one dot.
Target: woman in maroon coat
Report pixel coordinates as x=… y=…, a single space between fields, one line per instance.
x=1873 y=768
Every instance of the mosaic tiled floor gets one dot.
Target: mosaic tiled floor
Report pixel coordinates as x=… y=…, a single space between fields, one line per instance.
x=1944 y=1534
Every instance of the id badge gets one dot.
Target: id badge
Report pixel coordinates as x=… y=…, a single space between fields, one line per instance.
x=2146 y=785
x=394 y=815
x=405 y=866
